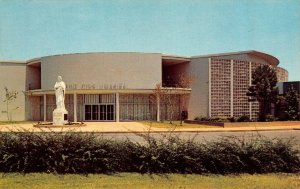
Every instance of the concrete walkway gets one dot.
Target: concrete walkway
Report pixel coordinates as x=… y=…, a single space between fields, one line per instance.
x=121 y=127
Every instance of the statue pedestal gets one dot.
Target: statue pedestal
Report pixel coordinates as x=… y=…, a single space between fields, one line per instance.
x=60 y=117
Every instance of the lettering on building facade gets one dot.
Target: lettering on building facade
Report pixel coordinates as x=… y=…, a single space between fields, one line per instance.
x=89 y=86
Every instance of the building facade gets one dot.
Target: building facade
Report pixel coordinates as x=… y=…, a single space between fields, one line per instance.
x=285 y=86
x=121 y=86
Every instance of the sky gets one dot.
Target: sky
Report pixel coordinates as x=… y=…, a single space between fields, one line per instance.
x=35 y=28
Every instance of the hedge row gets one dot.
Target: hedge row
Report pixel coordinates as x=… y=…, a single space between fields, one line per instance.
x=90 y=153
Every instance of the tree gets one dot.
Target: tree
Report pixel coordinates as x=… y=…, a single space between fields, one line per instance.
x=165 y=96
x=291 y=99
x=10 y=96
x=156 y=98
x=280 y=108
x=174 y=97
x=263 y=89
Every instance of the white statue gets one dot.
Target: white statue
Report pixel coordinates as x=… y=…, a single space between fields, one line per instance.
x=60 y=114
x=60 y=91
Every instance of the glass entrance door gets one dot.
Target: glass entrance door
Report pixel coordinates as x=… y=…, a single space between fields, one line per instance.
x=99 y=112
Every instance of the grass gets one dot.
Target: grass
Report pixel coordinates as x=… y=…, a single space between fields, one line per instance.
x=15 y=122
x=134 y=180
x=175 y=124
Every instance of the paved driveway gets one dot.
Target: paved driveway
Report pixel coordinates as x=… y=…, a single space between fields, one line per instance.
x=202 y=136
x=112 y=127
x=124 y=130
x=90 y=127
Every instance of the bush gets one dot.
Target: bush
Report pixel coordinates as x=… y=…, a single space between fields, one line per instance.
x=298 y=117
x=232 y=119
x=243 y=118
x=270 y=118
x=212 y=119
x=283 y=116
x=89 y=153
x=60 y=153
x=220 y=119
x=197 y=118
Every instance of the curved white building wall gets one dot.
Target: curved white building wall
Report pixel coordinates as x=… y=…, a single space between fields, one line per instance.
x=282 y=74
x=88 y=70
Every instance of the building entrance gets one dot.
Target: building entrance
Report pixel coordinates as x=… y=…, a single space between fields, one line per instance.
x=100 y=112
x=99 y=107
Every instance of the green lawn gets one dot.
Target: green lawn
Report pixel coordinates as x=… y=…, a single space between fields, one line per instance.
x=15 y=122
x=134 y=180
x=175 y=124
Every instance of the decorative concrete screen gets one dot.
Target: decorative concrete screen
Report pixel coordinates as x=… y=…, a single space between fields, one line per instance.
x=220 y=87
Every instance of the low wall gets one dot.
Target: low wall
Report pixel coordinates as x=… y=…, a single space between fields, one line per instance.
x=244 y=124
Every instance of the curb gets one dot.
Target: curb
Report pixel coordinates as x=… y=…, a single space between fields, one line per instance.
x=209 y=131
x=137 y=132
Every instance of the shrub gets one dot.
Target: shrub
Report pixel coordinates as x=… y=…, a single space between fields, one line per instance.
x=270 y=118
x=232 y=119
x=283 y=116
x=212 y=119
x=298 y=117
x=197 y=118
x=243 y=118
x=60 y=153
x=90 y=153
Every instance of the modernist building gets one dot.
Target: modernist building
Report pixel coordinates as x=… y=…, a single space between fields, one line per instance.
x=120 y=86
x=285 y=86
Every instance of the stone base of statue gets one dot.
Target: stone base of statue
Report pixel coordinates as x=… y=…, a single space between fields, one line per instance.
x=60 y=117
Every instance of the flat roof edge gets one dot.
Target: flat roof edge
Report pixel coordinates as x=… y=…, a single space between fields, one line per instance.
x=174 y=56
x=222 y=54
x=13 y=61
x=33 y=60
x=79 y=53
x=273 y=60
